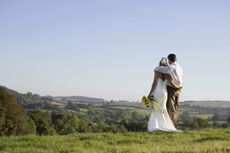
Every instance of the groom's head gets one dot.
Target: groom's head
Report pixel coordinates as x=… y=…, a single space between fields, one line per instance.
x=171 y=58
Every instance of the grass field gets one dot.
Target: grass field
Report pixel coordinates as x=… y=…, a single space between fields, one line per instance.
x=198 y=141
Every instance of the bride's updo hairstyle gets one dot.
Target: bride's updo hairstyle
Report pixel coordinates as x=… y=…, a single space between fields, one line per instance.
x=164 y=61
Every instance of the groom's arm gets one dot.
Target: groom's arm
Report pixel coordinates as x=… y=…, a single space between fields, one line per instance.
x=163 y=69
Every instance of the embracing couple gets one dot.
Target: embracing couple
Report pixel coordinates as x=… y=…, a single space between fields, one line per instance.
x=166 y=90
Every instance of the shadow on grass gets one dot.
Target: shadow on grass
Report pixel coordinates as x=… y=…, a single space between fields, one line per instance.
x=210 y=138
x=124 y=142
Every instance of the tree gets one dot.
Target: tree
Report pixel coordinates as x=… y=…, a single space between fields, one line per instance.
x=95 y=115
x=65 y=123
x=42 y=121
x=228 y=120
x=196 y=123
x=117 y=128
x=85 y=124
x=72 y=106
x=100 y=127
x=136 y=126
x=13 y=119
x=136 y=116
x=216 y=117
x=36 y=97
x=125 y=116
x=185 y=116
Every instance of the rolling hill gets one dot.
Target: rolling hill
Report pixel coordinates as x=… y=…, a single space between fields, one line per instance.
x=213 y=104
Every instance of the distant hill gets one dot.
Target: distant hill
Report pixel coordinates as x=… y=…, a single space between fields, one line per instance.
x=213 y=104
x=29 y=98
x=81 y=104
x=78 y=98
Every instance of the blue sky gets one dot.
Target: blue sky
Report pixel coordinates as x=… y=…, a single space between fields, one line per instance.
x=109 y=49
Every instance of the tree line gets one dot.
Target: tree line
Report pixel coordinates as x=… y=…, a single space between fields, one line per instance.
x=14 y=120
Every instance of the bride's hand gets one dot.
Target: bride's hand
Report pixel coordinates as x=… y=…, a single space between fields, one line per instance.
x=150 y=96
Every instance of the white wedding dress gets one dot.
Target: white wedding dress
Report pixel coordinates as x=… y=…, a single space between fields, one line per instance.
x=159 y=118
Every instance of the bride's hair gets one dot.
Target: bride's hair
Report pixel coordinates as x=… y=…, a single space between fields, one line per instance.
x=163 y=61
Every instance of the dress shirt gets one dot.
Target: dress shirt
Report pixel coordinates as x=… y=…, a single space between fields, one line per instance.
x=174 y=70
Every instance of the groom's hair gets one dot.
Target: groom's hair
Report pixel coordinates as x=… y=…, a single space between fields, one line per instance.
x=172 y=57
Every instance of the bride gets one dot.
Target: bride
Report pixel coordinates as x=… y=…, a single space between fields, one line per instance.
x=160 y=120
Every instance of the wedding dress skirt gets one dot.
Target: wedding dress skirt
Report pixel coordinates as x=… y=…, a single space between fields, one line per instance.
x=159 y=118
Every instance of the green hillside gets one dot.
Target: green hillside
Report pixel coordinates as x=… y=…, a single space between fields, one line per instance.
x=81 y=114
x=213 y=104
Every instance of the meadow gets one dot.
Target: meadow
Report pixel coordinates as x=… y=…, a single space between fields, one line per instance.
x=191 y=141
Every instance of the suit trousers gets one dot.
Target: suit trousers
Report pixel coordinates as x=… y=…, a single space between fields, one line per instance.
x=172 y=104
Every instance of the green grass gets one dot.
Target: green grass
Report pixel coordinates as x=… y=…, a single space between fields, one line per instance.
x=197 y=141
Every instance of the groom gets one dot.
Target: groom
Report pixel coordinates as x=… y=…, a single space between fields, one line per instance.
x=174 y=88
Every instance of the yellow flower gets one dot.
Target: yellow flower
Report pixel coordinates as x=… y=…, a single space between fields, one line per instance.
x=145 y=100
x=152 y=103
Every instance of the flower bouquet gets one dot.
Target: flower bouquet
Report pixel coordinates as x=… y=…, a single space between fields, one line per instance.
x=151 y=103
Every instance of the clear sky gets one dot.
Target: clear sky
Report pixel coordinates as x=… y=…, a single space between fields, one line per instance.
x=109 y=48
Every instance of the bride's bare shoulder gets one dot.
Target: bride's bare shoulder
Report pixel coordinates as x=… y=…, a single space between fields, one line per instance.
x=157 y=74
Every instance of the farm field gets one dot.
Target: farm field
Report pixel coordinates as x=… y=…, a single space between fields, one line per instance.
x=192 y=141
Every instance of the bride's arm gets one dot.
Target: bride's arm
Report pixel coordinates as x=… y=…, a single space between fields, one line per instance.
x=153 y=85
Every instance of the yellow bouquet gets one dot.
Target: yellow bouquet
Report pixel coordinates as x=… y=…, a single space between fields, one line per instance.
x=151 y=103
